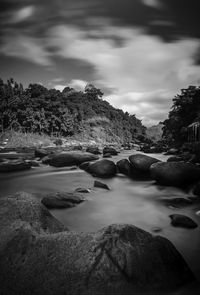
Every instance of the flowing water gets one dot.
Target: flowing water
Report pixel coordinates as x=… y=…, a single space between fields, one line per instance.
x=129 y=201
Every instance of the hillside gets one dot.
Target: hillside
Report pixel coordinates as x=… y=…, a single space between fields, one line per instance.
x=82 y=115
x=155 y=132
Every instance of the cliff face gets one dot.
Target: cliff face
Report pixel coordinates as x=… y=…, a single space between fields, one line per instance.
x=155 y=132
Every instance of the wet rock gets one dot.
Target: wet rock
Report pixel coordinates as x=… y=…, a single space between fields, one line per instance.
x=124 y=167
x=93 y=150
x=101 y=185
x=33 y=163
x=14 y=165
x=174 y=159
x=24 y=208
x=102 y=168
x=180 y=220
x=82 y=190
x=41 y=153
x=107 y=155
x=172 y=151
x=119 y=259
x=142 y=163
x=62 y=200
x=156 y=229
x=175 y=173
x=84 y=165
x=69 y=158
x=176 y=201
x=110 y=150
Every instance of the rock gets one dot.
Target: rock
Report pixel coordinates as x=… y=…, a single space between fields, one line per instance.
x=84 y=165
x=102 y=168
x=100 y=185
x=142 y=163
x=176 y=201
x=124 y=167
x=93 y=150
x=110 y=150
x=24 y=208
x=180 y=220
x=62 y=200
x=69 y=158
x=82 y=190
x=14 y=165
x=172 y=151
x=175 y=173
x=77 y=148
x=107 y=155
x=40 y=153
x=156 y=229
x=119 y=259
x=174 y=159
x=33 y=163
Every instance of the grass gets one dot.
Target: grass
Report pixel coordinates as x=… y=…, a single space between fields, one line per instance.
x=17 y=139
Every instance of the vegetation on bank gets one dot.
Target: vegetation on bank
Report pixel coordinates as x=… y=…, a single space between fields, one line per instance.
x=185 y=111
x=74 y=114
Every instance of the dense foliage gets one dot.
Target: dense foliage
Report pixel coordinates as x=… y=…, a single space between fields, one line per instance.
x=66 y=113
x=185 y=111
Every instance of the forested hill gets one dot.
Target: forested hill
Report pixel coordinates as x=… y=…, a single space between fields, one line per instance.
x=79 y=114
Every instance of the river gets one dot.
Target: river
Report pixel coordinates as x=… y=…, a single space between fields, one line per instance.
x=129 y=201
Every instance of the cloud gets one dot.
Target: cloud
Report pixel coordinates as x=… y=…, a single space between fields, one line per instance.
x=23 y=13
x=78 y=85
x=144 y=70
x=24 y=47
x=152 y=3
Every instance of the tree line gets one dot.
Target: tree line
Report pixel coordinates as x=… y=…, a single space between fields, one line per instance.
x=38 y=109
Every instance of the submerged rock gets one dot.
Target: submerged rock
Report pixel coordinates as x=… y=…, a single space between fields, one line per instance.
x=14 y=165
x=175 y=173
x=102 y=168
x=62 y=200
x=69 y=158
x=37 y=257
x=180 y=220
x=176 y=201
x=101 y=185
x=142 y=163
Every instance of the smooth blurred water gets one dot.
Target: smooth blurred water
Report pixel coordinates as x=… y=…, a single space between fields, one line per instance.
x=129 y=201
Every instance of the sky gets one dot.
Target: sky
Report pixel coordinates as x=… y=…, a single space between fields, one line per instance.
x=139 y=52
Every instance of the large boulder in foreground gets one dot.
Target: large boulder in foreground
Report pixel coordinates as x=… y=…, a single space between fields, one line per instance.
x=175 y=173
x=142 y=163
x=38 y=258
x=14 y=165
x=69 y=158
x=102 y=168
x=62 y=199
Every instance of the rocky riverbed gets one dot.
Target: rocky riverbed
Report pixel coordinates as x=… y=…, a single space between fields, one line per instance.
x=137 y=201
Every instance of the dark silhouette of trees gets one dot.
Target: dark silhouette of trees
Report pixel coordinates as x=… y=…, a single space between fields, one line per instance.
x=185 y=111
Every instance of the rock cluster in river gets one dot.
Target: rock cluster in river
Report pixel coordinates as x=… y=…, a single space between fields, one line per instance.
x=39 y=256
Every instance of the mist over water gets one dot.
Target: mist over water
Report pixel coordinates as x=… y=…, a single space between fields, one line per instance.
x=129 y=201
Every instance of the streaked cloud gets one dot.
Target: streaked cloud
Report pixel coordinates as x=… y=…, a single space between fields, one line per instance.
x=27 y=48
x=145 y=71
